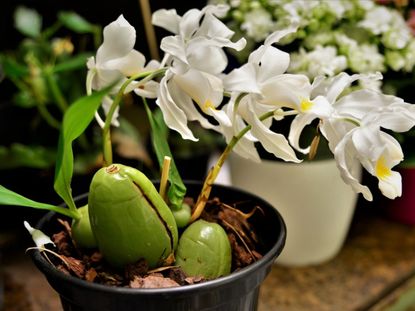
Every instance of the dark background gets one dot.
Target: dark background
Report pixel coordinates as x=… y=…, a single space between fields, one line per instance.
x=100 y=12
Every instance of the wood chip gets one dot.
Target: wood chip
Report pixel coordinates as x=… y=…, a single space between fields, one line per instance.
x=155 y=280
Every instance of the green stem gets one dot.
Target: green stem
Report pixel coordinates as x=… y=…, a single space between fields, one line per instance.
x=106 y=130
x=47 y=116
x=214 y=171
x=39 y=104
x=74 y=214
x=97 y=36
x=49 y=32
x=61 y=101
x=55 y=90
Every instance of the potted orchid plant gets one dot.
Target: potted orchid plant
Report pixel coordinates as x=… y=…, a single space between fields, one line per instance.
x=129 y=221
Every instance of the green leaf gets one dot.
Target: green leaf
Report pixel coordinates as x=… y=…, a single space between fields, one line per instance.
x=8 y=197
x=74 y=63
x=75 y=121
x=18 y=155
x=28 y=21
x=11 y=68
x=177 y=189
x=24 y=99
x=75 y=22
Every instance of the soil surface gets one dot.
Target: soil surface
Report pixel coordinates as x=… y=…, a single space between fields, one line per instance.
x=89 y=265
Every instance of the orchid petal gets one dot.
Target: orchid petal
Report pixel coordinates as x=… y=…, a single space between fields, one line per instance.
x=174 y=46
x=174 y=117
x=277 y=35
x=212 y=27
x=130 y=64
x=219 y=10
x=38 y=236
x=190 y=22
x=334 y=130
x=243 y=79
x=286 y=90
x=273 y=62
x=246 y=149
x=397 y=116
x=209 y=59
x=297 y=127
x=345 y=159
x=274 y=143
x=167 y=19
x=106 y=105
x=148 y=90
x=187 y=105
x=206 y=90
x=119 y=40
x=391 y=187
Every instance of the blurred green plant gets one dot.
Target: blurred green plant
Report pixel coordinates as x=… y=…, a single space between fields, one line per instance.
x=47 y=69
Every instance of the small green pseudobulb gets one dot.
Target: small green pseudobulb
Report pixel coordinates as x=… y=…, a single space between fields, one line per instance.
x=129 y=218
x=204 y=250
x=183 y=215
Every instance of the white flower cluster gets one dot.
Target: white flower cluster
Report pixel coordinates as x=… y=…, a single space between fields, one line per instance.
x=242 y=104
x=334 y=35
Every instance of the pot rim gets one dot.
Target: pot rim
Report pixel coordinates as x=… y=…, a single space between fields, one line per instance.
x=276 y=249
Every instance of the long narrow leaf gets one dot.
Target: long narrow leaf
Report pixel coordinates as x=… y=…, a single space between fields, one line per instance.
x=74 y=63
x=8 y=197
x=177 y=189
x=75 y=22
x=75 y=121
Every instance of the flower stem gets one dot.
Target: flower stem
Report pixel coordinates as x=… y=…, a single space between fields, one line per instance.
x=214 y=171
x=55 y=90
x=44 y=112
x=106 y=130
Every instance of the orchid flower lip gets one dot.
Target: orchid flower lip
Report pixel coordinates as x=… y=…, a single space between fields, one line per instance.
x=382 y=171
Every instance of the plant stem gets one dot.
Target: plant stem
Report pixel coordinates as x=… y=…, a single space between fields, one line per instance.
x=106 y=130
x=74 y=214
x=164 y=177
x=214 y=171
x=55 y=90
x=51 y=30
x=44 y=112
x=51 y=120
x=60 y=100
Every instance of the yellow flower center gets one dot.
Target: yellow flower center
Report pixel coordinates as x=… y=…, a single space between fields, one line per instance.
x=61 y=46
x=382 y=171
x=208 y=104
x=306 y=104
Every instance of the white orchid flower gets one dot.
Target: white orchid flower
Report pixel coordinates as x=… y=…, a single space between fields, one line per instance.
x=269 y=88
x=196 y=58
x=115 y=61
x=352 y=125
x=378 y=152
x=38 y=236
x=326 y=106
x=116 y=58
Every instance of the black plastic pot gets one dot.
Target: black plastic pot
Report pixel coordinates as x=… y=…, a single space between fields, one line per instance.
x=237 y=291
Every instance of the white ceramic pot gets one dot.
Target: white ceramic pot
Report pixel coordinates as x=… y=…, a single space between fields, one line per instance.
x=317 y=206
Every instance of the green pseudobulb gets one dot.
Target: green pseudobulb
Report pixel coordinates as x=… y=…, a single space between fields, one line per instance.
x=204 y=250
x=81 y=230
x=129 y=218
